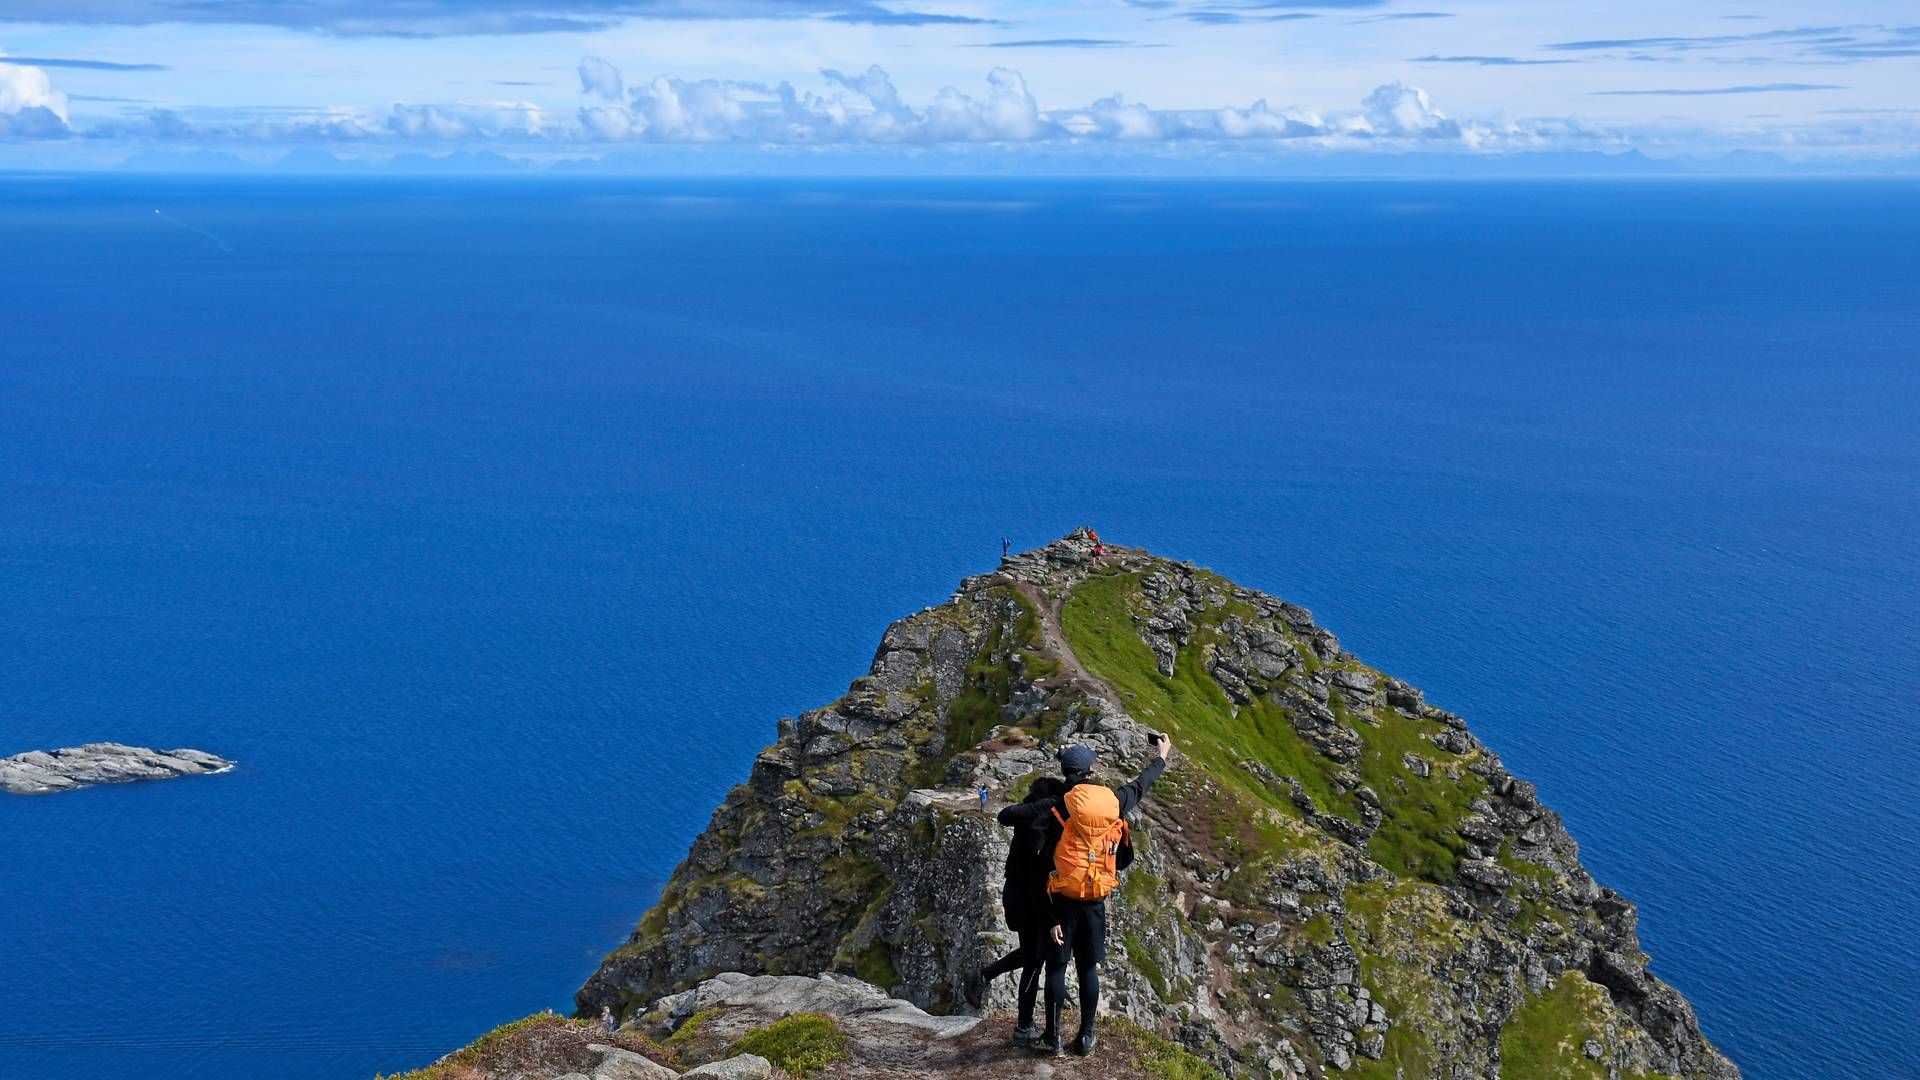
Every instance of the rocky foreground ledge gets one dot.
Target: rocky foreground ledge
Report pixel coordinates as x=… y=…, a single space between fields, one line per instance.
x=41 y=772
x=735 y=1026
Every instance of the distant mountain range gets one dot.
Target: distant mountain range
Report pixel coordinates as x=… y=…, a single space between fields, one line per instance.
x=677 y=160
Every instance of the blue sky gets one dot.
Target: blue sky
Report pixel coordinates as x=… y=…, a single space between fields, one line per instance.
x=92 y=81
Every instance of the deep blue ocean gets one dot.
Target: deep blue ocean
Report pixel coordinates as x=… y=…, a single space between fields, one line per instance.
x=491 y=526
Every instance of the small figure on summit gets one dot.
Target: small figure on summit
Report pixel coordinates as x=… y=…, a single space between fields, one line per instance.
x=1006 y=546
x=1099 y=549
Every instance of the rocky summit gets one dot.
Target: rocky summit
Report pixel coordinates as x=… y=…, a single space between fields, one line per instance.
x=40 y=772
x=1334 y=878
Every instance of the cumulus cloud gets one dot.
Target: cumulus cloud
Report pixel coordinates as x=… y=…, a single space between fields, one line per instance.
x=464 y=120
x=1007 y=114
x=1402 y=110
x=456 y=121
x=861 y=107
x=1260 y=122
x=30 y=108
x=1116 y=118
x=238 y=125
x=853 y=108
x=865 y=107
x=676 y=110
x=601 y=79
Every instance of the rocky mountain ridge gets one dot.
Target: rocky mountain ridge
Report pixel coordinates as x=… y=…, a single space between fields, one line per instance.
x=1335 y=878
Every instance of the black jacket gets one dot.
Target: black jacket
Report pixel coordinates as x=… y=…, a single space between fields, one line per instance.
x=1029 y=859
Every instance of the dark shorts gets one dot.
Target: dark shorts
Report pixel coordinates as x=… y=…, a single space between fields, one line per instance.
x=1084 y=928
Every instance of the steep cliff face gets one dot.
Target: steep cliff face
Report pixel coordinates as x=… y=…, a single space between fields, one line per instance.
x=1334 y=877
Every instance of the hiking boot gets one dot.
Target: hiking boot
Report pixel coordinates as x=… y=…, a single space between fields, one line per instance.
x=1048 y=1043
x=1025 y=1035
x=975 y=991
x=1083 y=1045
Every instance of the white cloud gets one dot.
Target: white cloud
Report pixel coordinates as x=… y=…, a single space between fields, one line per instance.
x=867 y=108
x=1007 y=114
x=1113 y=118
x=1257 y=121
x=601 y=79
x=465 y=120
x=1401 y=110
x=30 y=108
x=675 y=110
x=599 y=123
x=863 y=107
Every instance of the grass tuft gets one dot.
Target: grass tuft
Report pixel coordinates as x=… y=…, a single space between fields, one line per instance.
x=800 y=1045
x=1161 y=1057
x=1544 y=1037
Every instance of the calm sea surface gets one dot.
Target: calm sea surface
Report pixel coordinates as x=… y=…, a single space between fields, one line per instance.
x=492 y=525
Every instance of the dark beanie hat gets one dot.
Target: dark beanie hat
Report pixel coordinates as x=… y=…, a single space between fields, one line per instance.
x=1076 y=759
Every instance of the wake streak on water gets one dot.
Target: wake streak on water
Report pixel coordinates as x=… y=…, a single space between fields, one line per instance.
x=217 y=242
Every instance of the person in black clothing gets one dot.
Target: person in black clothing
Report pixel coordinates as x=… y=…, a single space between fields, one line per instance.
x=1024 y=898
x=1079 y=930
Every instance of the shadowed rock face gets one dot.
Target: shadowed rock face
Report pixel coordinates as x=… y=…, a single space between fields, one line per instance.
x=1333 y=878
x=40 y=772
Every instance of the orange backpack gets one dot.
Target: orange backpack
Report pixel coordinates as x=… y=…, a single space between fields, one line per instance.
x=1086 y=861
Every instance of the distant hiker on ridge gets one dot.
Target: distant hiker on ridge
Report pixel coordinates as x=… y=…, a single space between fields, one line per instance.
x=1024 y=899
x=1006 y=545
x=1088 y=843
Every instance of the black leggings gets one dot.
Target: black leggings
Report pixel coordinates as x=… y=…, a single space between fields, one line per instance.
x=1085 y=928
x=1029 y=958
x=1089 y=976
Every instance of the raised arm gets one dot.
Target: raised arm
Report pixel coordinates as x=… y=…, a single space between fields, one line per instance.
x=1026 y=813
x=1131 y=793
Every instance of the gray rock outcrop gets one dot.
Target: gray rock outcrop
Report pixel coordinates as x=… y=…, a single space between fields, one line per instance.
x=738 y=1067
x=833 y=994
x=621 y=1064
x=41 y=772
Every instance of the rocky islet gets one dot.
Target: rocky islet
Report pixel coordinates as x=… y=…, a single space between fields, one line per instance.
x=43 y=772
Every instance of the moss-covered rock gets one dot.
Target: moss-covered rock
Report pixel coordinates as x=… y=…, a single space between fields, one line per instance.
x=544 y=1044
x=800 y=1045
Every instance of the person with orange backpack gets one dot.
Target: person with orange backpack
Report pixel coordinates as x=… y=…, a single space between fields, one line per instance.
x=1089 y=843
